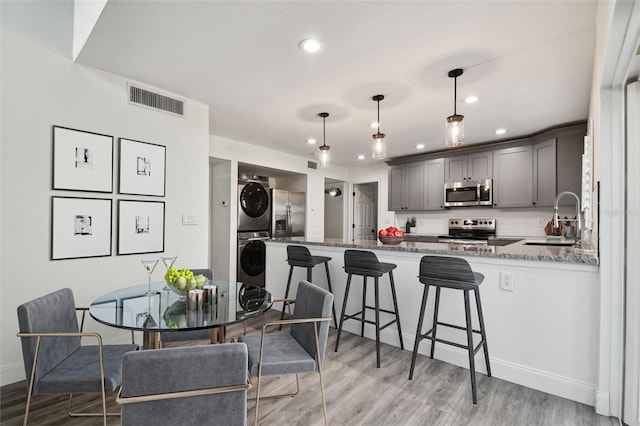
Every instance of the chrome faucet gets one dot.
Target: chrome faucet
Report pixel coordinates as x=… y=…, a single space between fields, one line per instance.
x=577 y=220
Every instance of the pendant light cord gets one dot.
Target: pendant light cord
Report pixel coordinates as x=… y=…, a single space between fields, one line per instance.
x=378 y=116
x=324 y=138
x=455 y=94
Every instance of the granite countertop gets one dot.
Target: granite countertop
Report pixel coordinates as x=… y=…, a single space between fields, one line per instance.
x=542 y=249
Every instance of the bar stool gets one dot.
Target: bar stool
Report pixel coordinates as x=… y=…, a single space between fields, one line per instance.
x=365 y=263
x=301 y=257
x=453 y=273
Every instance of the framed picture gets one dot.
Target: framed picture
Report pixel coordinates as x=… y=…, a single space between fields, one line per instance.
x=140 y=227
x=80 y=227
x=142 y=168
x=82 y=161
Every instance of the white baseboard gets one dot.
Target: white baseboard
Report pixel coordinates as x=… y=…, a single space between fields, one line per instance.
x=603 y=405
x=544 y=381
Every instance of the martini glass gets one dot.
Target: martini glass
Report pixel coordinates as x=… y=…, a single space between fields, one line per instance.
x=168 y=263
x=150 y=266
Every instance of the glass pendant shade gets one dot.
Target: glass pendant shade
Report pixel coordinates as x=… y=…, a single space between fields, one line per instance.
x=455 y=125
x=455 y=130
x=325 y=156
x=379 y=146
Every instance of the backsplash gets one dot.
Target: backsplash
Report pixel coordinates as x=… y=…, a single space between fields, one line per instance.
x=509 y=222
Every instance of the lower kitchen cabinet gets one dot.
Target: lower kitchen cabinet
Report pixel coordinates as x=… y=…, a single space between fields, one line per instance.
x=513 y=177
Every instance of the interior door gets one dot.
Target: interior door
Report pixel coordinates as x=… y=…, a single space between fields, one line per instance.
x=365 y=208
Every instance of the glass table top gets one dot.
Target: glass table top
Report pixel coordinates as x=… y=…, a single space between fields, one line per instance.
x=130 y=308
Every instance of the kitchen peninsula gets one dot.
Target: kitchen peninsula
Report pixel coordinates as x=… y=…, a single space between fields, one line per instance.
x=542 y=328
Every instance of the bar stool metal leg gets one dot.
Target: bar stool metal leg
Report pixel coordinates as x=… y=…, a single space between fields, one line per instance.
x=472 y=364
x=482 y=331
x=286 y=294
x=435 y=321
x=395 y=307
x=310 y=274
x=342 y=315
x=419 y=335
x=377 y=309
x=333 y=308
x=364 y=303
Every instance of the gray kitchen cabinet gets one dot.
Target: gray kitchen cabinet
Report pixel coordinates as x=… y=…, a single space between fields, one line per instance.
x=474 y=166
x=406 y=187
x=569 y=166
x=513 y=177
x=434 y=184
x=544 y=172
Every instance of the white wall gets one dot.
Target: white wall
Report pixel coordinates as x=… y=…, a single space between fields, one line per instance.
x=40 y=88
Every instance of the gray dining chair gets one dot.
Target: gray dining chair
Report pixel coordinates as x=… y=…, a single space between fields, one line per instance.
x=301 y=350
x=55 y=362
x=183 y=336
x=198 y=385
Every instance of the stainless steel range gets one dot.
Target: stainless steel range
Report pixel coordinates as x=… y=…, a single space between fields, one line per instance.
x=474 y=232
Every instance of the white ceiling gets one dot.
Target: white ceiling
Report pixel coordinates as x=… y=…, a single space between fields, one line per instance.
x=529 y=62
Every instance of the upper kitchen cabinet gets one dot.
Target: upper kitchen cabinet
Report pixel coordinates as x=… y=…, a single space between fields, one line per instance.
x=434 y=184
x=469 y=167
x=557 y=166
x=406 y=187
x=513 y=177
x=544 y=172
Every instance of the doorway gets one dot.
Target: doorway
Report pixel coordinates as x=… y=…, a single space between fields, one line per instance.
x=365 y=211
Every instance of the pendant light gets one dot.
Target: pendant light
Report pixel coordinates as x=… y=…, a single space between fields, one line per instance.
x=325 y=156
x=379 y=145
x=455 y=125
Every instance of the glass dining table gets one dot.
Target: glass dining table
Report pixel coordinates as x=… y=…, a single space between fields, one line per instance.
x=166 y=311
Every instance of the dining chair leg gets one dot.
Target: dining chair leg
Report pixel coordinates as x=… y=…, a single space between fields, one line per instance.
x=419 y=336
x=324 y=400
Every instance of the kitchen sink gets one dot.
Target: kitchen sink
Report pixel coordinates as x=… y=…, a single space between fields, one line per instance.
x=548 y=244
x=502 y=241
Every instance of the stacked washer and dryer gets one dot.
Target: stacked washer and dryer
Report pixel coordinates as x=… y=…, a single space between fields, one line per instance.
x=254 y=219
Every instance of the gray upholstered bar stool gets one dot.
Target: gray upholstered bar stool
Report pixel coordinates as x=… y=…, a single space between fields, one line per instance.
x=454 y=273
x=366 y=264
x=301 y=256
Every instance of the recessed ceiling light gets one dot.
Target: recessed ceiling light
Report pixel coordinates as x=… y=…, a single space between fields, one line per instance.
x=501 y=131
x=361 y=157
x=311 y=141
x=420 y=146
x=374 y=125
x=310 y=45
x=471 y=99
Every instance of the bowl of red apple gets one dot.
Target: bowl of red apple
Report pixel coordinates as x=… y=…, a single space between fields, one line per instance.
x=391 y=235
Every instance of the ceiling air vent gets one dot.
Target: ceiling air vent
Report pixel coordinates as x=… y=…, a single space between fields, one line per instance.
x=146 y=98
x=312 y=165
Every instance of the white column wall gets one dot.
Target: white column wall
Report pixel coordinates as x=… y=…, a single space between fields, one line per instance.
x=41 y=88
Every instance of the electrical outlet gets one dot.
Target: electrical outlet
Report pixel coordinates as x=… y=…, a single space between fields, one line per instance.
x=189 y=220
x=506 y=281
x=540 y=223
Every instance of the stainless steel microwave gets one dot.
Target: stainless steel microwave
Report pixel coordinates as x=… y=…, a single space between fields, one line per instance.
x=466 y=194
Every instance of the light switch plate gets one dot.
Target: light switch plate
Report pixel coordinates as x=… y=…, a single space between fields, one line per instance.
x=189 y=220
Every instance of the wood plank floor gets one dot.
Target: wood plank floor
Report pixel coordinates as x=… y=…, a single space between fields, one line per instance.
x=357 y=394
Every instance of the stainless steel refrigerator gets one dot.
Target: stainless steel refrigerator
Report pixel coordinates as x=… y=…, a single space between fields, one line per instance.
x=287 y=213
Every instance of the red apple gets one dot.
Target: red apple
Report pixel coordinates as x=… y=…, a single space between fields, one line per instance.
x=382 y=233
